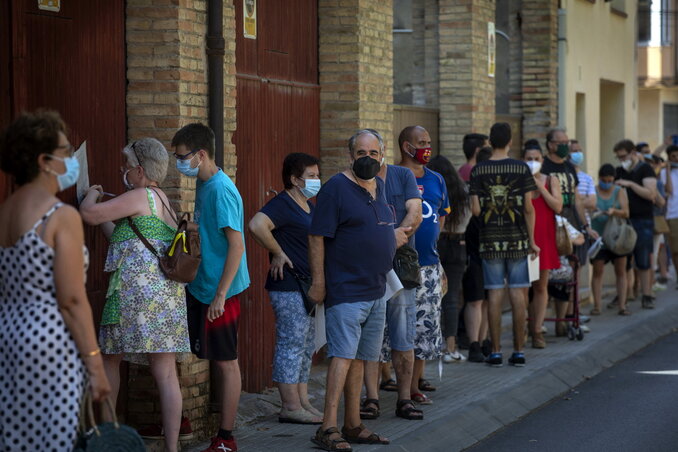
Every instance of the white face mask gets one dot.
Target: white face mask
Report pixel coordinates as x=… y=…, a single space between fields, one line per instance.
x=626 y=164
x=534 y=165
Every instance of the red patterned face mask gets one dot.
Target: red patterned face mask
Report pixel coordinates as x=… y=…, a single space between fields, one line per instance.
x=421 y=155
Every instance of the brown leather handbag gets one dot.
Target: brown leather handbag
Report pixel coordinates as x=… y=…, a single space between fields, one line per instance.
x=182 y=258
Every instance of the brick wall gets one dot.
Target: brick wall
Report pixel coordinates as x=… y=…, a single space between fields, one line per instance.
x=539 y=101
x=466 y=93
x=356 y=75
x=167 y=88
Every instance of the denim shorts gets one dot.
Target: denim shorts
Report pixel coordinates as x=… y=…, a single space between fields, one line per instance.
x=401 y=315
x=644 y=228
x=355 y=330
x=497 y=272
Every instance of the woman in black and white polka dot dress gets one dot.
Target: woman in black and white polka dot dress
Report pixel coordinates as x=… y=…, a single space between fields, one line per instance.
x=48 y=349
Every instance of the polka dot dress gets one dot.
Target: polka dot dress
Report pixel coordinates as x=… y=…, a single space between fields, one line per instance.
x=41 y=374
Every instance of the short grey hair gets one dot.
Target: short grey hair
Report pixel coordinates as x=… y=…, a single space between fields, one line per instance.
x=153 y=155
x=354 y=138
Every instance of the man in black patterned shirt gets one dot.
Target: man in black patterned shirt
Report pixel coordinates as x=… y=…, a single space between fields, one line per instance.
x=501 y=196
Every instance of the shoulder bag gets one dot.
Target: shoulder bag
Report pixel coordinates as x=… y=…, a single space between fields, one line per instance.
x=563 y=241
x=406 y=266
x=304 y=283
x=106 y=437
x=619 y=236
x=181 y=260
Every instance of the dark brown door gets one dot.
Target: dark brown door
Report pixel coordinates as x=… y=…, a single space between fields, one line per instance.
x=278 y=104
x=73 y=61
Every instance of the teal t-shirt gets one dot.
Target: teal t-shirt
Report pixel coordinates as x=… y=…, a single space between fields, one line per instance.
x=218 y=205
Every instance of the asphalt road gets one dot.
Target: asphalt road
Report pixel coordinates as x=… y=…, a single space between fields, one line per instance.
x=621 y=409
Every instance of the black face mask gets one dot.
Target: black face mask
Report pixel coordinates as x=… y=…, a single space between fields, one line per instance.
x=366 y=168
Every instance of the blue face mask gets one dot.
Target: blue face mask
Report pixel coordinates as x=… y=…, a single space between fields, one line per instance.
x=184 y=167
x=312 y=187
x=577 y=157
x=70 y=177
x=605 y=185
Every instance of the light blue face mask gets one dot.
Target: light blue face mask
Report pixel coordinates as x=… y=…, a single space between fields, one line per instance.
x=184 y=167
x=312 y=187
x=70 y=177
x=605 y=185
x=577 y=157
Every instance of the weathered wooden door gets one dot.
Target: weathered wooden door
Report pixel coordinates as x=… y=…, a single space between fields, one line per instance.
x=278 y=105
x=73 y=61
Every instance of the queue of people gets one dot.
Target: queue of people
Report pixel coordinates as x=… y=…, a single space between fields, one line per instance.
x=472 y=233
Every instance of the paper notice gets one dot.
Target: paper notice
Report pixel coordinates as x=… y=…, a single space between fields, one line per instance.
x=533 y=268
x=320 y=338
x=82 y=184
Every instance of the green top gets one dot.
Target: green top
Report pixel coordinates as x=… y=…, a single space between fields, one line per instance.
x=598 y=223
x=151 y=226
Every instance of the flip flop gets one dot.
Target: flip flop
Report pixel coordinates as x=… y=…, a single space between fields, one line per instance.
x=421 y=399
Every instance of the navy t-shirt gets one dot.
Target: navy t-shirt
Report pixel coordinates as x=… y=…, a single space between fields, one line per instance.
x=291 y=232
x=435 y=205
x=401 y=186
x=359 y=240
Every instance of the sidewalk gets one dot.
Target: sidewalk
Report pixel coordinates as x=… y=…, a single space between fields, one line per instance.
x=474 y=400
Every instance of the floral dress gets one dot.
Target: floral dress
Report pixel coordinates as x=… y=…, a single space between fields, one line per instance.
x=144 y=312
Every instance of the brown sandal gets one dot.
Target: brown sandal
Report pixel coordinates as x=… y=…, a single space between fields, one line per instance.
x=369 y=409
x=360 y=435
x=323 y=440
x=624 y=312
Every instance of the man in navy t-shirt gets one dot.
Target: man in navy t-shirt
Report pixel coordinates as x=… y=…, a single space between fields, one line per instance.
x=415 y=151
x=351 y=248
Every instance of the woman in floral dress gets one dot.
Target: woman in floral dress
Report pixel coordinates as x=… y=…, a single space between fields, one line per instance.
x=144 y=319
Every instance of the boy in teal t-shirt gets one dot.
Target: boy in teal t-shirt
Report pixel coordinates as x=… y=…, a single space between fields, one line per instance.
x=213 y=305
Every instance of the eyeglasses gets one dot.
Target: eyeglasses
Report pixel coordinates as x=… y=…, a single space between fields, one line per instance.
x=133 y=148
x=390 y=217
x=184 y=156
x=70 y=150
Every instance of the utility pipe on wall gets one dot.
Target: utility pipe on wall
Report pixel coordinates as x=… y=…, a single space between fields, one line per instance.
x=562 y=48
x=215 y=46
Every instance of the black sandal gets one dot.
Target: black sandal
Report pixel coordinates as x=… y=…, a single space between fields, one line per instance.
x=389 y=385
x=424 y=385
x=369 y=412
x=322 y=439
x=406 y=410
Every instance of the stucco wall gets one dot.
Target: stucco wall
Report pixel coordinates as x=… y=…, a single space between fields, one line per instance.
x=600 y=47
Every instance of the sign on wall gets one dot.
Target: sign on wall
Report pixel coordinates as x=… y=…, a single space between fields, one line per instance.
x=50 y=5
x=249 y=22
x=491 y=49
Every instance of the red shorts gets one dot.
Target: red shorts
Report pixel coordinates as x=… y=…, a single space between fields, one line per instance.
x=217 y=340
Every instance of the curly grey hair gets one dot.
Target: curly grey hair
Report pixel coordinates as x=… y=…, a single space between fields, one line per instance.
x=354 y=138
x=151 y=155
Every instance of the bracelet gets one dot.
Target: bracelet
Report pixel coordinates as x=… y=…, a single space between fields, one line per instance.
x=90 y=354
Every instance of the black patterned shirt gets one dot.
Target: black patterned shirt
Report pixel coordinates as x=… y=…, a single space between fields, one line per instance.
x=501 y=186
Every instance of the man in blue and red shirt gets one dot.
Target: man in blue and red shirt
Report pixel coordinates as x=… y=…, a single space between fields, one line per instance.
x=415 y=151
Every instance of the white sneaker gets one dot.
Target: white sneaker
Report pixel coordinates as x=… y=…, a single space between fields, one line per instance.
x=585 y=328
x=658 y=287
x=454 y=357
x=544 y=329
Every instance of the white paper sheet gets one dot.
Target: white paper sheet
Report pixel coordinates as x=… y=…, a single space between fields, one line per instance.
x=533 y=268
x=320 y=338
x=82 y=183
